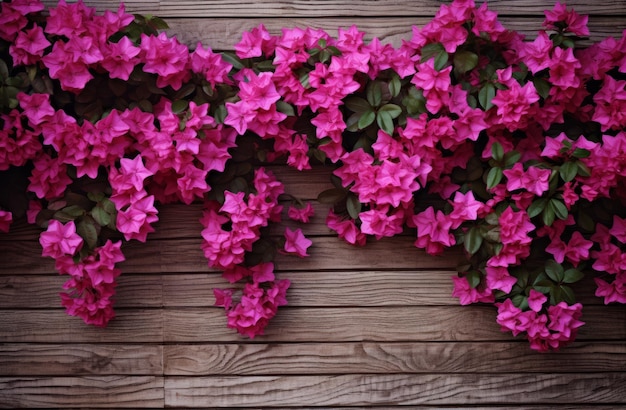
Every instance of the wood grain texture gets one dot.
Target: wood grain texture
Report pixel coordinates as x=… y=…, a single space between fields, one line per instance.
x=384 y=324
x=42 y=291
x=54 y=326
x=79 y=359
x=224 y=33
x=382 y=358
x=93 y=391
x=325 y=8
x=185 y=256
x=396 y=389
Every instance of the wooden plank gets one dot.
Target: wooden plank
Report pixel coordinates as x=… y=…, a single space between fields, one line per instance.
x=396 y=389
x=325 y=8
x=224 y=33
x=384 y=324
x=54 y=326
x=350 y=288
x=80 y=359
x=346 y=288
x=185 y=256
x=308 y=289
x=100 y=391
x=370 y=357
x=35 y=291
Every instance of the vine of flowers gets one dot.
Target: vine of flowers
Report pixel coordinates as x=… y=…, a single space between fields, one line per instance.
x=105 y=117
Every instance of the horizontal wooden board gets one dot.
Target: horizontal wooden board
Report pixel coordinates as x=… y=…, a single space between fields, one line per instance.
x=396 y=389
x=371 y=357
x=224 y=33
x=308 y=289
x=186 y=256
x=79 y=359
x=54 y=326
x=388 y=324
x=325 y=8
x=93 y=391
x=39 y=291
x=384 y=324
x=346 y=288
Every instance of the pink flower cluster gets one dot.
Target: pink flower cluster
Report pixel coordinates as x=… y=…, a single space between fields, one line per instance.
x=92 y=282
x=465 y=109
x=230 y=232
x=545 y=331
x=611 y=259
x=258 y=300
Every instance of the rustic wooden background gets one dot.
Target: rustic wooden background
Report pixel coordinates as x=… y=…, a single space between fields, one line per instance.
x=364 y=328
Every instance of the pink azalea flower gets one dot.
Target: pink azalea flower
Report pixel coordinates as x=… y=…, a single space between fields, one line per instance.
x=296 y=243
x=120 y=58
x=536 y=300
x=59 y=239
x=574 y=22
x=6 y=218
x=613 y=291
x=433 y=231
x=498 y=278
x=346 y=229
x=468 y=295
x=301 y=214
x=29 y=46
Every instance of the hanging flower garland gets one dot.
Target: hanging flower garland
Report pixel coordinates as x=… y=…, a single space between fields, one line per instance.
x=104 y=117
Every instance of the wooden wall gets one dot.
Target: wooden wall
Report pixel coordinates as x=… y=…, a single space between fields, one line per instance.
x=364 y=328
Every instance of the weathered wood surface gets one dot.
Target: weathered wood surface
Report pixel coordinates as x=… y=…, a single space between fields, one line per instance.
x=373 y=327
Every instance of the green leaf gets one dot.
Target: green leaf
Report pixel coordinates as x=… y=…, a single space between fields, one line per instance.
x=548 y=215
x=485 y=96
x=385 y=121
x=331 y=196
x=88 y=232
x=179 y=106
x=473 y=240
x=572 y=275
x=497 y=152
x=567 y=294
x=554 y=270
x=581 y=153
x=232 y=59
x=560 y=210
x=542 y=87
x=568 y=171
x=366 y=119
x=374 y=93
x=352 y=123
x=395 y=86
x=583 y=170
x=430 y=50
x=357 y=104
x=99 y=215
x=511 y=157
x=158 y=23
x=585 y=221
x=285 y=108
x=537 y=207
x=474 y=278
x=392 y=109
x=95 y=196
x=4 y=70
x=492 y=219
x=465 y=61
x=353 y=206
x=74 y=211
x=441 y=60
x=238 y=184
x=494 y=177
